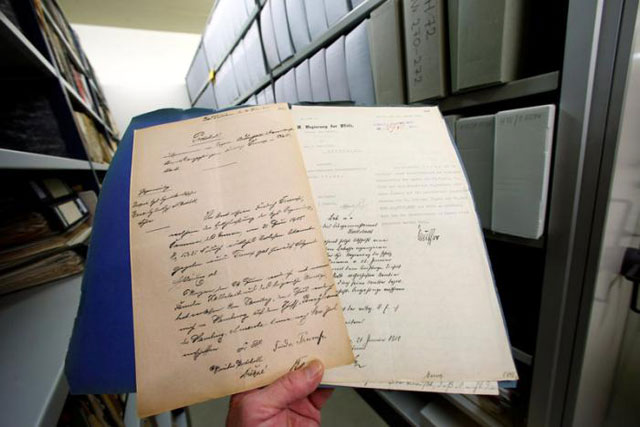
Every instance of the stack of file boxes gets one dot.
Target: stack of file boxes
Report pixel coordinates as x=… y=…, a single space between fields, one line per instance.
x=401 y=51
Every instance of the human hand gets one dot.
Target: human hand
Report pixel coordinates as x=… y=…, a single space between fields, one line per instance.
x=293 y=400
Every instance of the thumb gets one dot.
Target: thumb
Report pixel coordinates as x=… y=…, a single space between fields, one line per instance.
x=293 y=386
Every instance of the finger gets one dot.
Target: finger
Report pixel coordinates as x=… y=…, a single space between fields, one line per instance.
x=319 y=397
x=293 y=386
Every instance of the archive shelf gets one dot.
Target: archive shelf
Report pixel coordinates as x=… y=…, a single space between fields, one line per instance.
x=12 y=159
x=535 y=85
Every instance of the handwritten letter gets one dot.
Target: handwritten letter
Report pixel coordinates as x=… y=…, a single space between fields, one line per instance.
x=231 y=282
x=406 y=251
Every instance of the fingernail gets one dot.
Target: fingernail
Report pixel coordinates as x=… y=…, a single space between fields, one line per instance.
x=313 y=369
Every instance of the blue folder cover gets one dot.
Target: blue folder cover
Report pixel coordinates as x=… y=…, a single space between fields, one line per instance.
x=100 y=358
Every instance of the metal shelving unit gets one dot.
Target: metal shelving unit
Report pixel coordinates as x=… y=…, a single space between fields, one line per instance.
x=36 y=323
x=535 y=85
x=12 y=159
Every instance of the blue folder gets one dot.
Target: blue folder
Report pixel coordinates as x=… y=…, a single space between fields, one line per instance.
x=100 y=358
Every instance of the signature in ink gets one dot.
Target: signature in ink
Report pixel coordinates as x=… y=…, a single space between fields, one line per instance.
x=427 y=235
x=299 y=363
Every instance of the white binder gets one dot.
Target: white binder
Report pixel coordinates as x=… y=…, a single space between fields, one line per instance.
x=225 y=84
x=290 y=89
x=359 y=73
x=319 y=82
x=336 y=9
x=268 y=93
x=297 y=17
x=522 y=162
x=303 y=82
x=337 y=71
x=385 y=41
x=426 y=56
x=198 y=73
x=281 y=95
x=485 y=40
x=253 y=52
x=241 y=69
x=281 y=29
x=316 y=18
x=269 y=36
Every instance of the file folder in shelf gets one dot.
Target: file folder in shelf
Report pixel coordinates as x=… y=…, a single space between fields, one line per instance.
x=425 y=46
x=484 y=42
x=269 y=36
x=198 y=73
x=281 y=29
x=335 y=9
x=316 y=18
x=337 y=71
x=358 y=59
x=253 y=52
x=319 y=82
x=385 y=41
x=303 y=82
x=522 y=162
x=297 y=18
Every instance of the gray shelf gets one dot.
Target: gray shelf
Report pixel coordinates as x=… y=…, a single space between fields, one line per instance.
x=473 y=411
x=514 y=240
x=101 y=166
x=36 y=325
x=521 y=356
x=535 y=85
x=11 y=159
x=20 y=58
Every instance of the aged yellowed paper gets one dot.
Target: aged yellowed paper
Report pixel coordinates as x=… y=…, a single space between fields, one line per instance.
x=231 y=282
x=406 y=249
